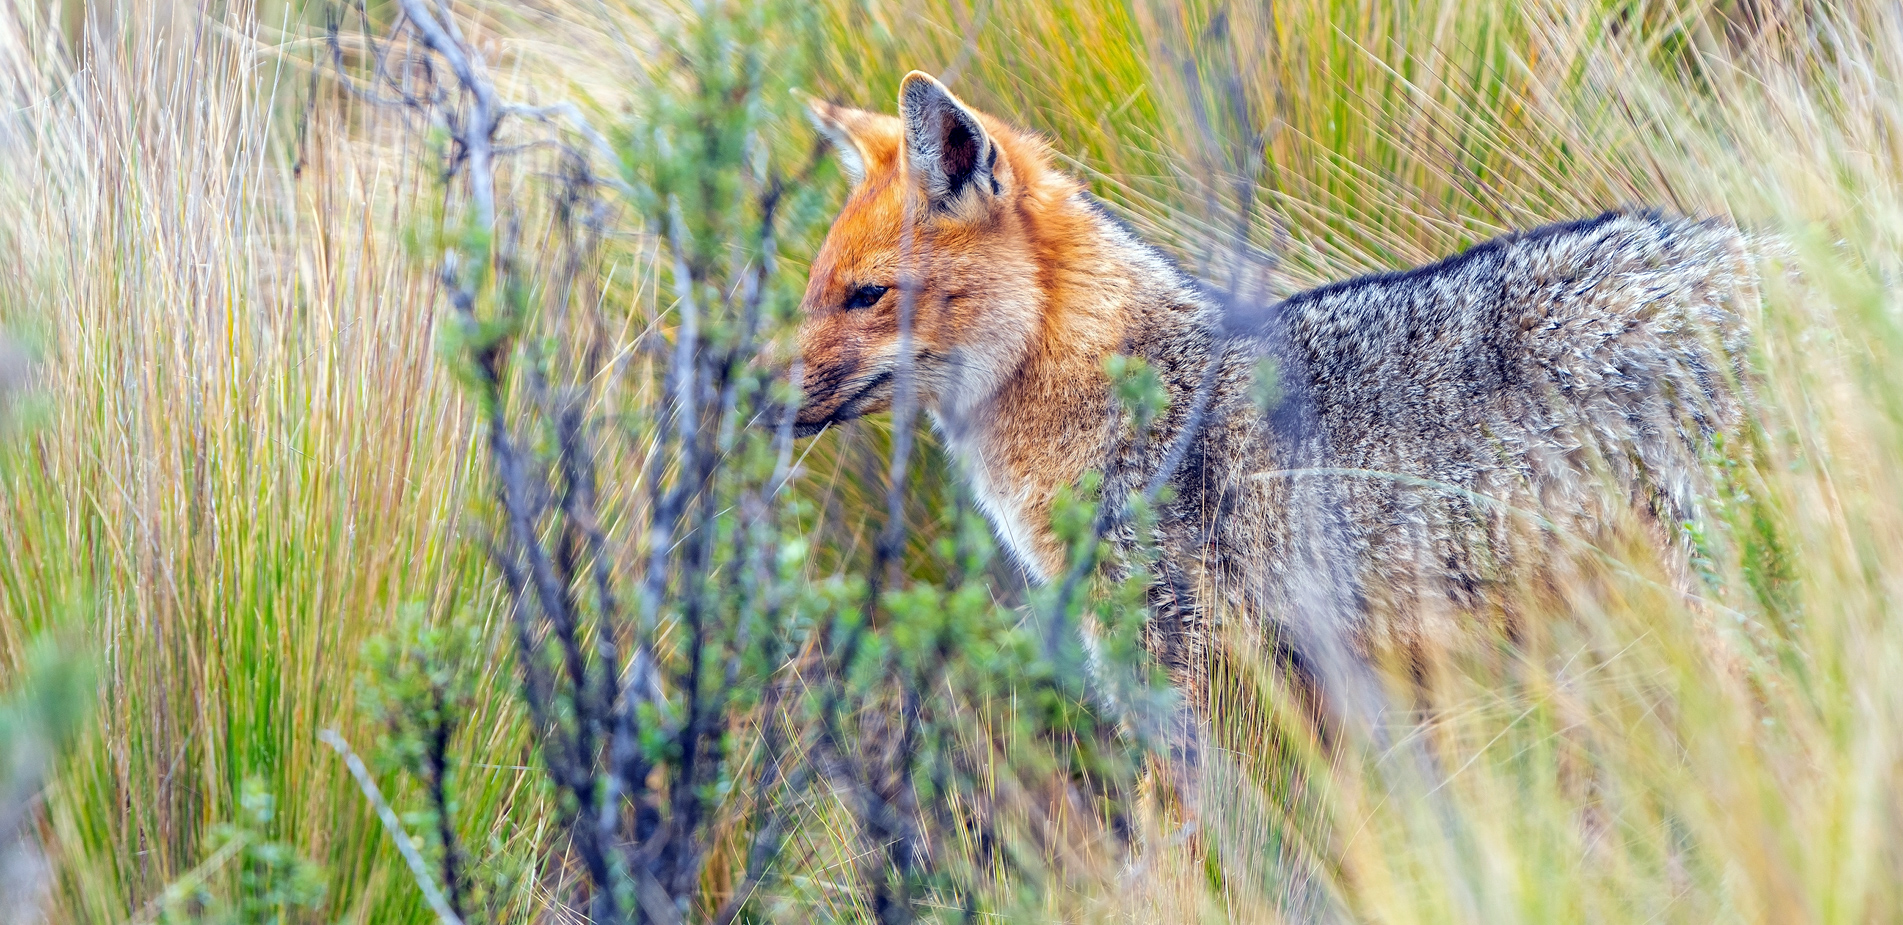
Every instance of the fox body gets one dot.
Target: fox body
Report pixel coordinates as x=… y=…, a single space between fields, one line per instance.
x=1422 y=424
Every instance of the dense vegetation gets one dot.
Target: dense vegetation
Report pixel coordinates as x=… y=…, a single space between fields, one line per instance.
x=380 y=484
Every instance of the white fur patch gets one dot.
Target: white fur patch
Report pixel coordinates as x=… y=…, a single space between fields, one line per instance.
x=1005 y=511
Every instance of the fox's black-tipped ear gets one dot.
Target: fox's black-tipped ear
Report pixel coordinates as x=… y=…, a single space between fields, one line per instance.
x=946 y=148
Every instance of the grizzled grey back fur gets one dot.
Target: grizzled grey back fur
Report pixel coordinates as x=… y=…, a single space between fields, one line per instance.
x=1434 y=430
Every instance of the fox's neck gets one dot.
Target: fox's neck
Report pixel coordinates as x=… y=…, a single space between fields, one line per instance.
x=1052 y=420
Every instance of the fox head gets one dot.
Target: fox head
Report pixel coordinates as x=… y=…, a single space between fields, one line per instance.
x=929 y=271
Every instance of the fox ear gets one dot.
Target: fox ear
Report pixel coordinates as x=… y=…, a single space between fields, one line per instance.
x=945 y=145
x=849 y=132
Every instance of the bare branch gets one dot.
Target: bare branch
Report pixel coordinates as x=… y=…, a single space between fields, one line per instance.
x=479 y=132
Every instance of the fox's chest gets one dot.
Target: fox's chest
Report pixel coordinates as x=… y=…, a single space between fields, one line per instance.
x=1012 y=504
x=1010 y=516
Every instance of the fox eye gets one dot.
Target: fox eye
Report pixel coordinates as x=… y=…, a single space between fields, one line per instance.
x=866 y=296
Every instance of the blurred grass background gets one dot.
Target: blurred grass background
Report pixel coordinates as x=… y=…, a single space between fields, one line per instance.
x=240 y=455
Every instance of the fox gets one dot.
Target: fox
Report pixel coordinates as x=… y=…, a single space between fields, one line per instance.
x=1424 y=429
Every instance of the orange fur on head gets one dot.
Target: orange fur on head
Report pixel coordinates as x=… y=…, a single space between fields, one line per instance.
x=959 y=229
x=929 y=231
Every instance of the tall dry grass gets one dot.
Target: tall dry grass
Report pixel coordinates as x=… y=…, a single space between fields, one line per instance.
x=247 y=458
x=246 y=455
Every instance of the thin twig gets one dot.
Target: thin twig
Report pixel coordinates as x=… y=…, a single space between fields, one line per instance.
x=419 y=868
